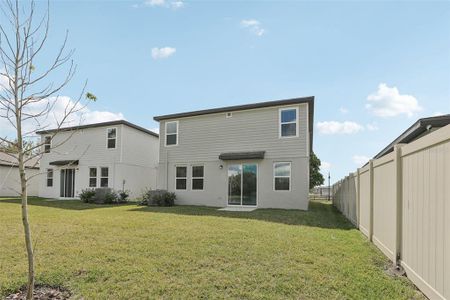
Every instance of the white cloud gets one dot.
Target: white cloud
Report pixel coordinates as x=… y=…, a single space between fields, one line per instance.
x=164 y=52
x=162 y=3
x=334 y=127
x=155 y=2
x=325 y=167
x=83 y=115
x=360 y=160
x=4 y=81
x=388 y=102
x=254 y=26
x=155 y=130
x=343 y=110
x=177 y=4
x=372 y=127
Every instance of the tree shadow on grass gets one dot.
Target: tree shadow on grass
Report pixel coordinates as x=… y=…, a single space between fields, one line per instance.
x=62 y=204
x=320 y=214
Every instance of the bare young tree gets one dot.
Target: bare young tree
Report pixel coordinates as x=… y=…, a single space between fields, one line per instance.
x=28 y=95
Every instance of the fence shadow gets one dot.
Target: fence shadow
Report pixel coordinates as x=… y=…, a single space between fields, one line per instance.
x=320 y=214
x=61 y=204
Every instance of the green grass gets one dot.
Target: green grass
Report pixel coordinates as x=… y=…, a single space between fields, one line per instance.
x=131 y=252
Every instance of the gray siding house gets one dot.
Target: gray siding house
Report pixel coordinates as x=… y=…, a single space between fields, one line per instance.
x=254 y=155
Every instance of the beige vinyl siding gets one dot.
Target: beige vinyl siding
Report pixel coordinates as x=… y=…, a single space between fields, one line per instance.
x=411 y=209
x=205 y=137
x=201 y=139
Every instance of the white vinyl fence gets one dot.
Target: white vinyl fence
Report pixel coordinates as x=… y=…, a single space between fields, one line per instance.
x=401 y=202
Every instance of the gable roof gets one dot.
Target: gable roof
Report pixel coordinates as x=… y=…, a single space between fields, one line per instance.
x=102 y=124
x=416 y=130
x=309 y=100
x=6 y=160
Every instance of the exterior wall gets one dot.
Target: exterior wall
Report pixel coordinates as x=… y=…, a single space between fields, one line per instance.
x=410 y=209
x=10 y=182
x=201 y=139
x=215 y=191
x=133 y=160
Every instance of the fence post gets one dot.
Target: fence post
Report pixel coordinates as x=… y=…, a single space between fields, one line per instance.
x=358 y=198
x=371 y=180
x=399 y=202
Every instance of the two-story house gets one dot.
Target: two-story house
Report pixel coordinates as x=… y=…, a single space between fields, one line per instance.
x=117 y=155
x=254 y=155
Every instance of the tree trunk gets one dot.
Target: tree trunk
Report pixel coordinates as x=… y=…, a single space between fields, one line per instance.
x=26 y=227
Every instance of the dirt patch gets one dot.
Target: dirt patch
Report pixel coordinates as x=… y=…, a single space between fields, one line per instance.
x=42 y=292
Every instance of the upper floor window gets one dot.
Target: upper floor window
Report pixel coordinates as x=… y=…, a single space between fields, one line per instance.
x=288 y=122
x=111 y=137
x=198 y=177
x=47 y=144
x=172 y=133
x=49 y=177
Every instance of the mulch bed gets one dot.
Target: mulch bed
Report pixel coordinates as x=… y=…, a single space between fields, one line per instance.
x=42 y=292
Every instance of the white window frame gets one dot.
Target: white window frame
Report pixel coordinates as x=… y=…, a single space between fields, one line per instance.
x=281 y=123
x=96 y=177
x=107 y=138
x=202 y=178
x=165 y=133
x=50 y=177
x=186 y=178
x=102 y=177
x=49 y=144
x=277 y=176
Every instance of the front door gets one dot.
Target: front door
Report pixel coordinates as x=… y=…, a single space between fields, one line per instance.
x=67 y=184
x=242 y=184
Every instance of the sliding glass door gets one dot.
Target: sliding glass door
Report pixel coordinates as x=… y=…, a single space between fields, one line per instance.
x=67 y=183
x=242 y=184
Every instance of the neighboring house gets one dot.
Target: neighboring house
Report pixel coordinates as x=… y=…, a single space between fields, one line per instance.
x=9 y=176
x=417 y=130
x=117 y=155
x=253 y=155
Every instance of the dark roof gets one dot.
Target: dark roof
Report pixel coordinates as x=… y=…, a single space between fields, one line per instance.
x=242 y=155
x=415 y=131
x=309 y=100
x=103 y=124
x=64 y=163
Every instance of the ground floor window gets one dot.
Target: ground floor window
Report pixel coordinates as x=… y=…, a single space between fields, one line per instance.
x=198 y=179
x=49 y=177
x=92 y=177
x=282 y=176
x=104 y=177
x=181 y=178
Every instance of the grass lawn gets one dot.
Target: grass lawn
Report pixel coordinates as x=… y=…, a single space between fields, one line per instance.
x=131 y=252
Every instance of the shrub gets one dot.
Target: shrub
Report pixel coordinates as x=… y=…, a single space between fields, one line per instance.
x=158 y=198
x=123 y=196
x=87 y=195
x=111 y=198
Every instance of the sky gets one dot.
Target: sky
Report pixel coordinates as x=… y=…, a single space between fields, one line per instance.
x=374 y=67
